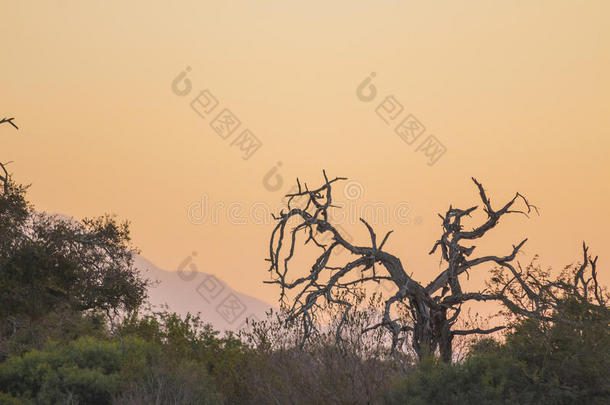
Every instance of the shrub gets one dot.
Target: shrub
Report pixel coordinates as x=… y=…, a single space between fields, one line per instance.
x=85 y=371
x=95 y=371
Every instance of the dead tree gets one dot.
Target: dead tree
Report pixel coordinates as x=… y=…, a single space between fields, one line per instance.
x=5 y=178
x=432 y=309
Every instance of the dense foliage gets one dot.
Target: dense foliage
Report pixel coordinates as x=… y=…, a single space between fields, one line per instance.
x=538 y=363
x=73 y=331
x=52 y=268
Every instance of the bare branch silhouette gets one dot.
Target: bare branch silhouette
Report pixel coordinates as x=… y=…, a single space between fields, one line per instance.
x=10 y=121
x=5 y=178
x=531 y=292
x=432 y=309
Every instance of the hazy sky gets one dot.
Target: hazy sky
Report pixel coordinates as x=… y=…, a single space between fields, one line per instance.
x=517 y=92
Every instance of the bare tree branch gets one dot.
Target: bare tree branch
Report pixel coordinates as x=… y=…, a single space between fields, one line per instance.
x=478 y=331
x=430 y=316
x=532 y=293
x=5 y=178
x=10 y=121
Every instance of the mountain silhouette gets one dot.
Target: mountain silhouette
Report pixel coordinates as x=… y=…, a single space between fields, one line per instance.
x=188 y=290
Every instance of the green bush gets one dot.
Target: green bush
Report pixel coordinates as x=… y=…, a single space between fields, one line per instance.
x=85 y=371
x=95 y=371
x=6 y=399
x=540 y=362
x=485 y=379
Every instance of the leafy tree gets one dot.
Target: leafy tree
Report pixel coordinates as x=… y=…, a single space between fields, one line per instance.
x=50 y=265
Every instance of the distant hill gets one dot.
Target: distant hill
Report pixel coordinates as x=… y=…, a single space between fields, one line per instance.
x=193 y=291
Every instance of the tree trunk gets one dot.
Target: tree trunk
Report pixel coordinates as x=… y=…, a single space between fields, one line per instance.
x=432 y=332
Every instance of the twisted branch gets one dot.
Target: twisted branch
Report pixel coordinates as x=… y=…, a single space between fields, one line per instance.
x=432 y=315
x=5 y=178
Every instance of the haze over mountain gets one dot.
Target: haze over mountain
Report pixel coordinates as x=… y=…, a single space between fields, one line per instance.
x=189 y=290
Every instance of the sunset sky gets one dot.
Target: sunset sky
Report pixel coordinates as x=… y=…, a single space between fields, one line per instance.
x=518 y=93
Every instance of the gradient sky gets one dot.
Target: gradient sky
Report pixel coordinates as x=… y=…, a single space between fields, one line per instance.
x=518 y=92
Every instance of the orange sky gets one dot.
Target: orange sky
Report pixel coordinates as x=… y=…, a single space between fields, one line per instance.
x=518 y=94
